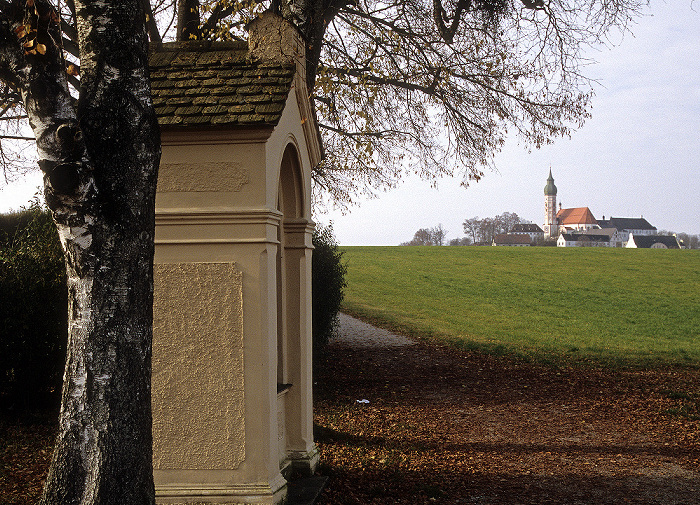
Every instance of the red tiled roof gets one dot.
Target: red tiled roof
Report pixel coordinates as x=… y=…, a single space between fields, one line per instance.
x=577 y=215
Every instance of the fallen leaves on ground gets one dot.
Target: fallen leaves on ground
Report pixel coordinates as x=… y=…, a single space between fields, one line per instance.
x=453 y=427
x=26 y=444
x=448 y=426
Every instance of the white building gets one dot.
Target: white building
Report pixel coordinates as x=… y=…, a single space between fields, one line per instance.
x=585 y=239
x=628 y=225
x=577 y=227
x=530 y=229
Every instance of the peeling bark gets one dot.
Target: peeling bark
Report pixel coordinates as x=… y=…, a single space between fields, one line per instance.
x=100 y=165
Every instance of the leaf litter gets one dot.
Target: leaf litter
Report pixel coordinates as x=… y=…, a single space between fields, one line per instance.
x=452 y=426
x=457 y=427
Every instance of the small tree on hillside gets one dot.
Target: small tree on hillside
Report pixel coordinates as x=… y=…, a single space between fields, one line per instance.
x=428 y=236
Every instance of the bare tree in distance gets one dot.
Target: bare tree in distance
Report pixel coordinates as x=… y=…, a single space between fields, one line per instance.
x=464 y=241
x=471 y=229
x=428 y=236
x=507 y=221
x=482 y=231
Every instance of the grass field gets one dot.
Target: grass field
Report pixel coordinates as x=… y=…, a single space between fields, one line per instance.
x=613 y=306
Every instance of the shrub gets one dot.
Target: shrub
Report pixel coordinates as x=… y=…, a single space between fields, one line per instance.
x=33 y=312
x=328 y=284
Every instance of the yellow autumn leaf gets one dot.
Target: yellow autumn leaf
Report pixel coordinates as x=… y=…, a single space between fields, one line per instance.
x=41 y=48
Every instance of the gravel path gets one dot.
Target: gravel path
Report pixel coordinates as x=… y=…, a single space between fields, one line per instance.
x=359 y=335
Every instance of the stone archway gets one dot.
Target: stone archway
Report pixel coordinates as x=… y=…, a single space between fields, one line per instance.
x=296 y=446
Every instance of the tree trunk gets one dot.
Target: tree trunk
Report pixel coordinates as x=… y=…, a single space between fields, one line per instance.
x=188 y=20
x=311 y=17
x=100 y=165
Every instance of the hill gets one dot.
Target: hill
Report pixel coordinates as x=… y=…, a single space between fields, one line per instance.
x=631 y=307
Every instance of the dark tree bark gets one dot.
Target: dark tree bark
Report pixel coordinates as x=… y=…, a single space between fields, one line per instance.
x=311 y=17
x=188 y=21
x=100 y=164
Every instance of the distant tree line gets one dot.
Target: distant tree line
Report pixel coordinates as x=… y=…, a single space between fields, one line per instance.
x=477 y=231
x=461 y=241
x=428 y=236
x=482 y=231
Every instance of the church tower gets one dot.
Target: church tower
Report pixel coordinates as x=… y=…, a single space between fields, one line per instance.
x=551 y=228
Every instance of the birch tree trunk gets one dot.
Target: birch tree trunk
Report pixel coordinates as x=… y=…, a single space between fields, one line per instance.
x=100 y=161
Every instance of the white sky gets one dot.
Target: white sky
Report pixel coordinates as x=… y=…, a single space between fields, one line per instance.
x=639 y=155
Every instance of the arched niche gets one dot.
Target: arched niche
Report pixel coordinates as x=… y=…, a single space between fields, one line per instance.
x=291 y=188
x=290 y=204
x=293 y=312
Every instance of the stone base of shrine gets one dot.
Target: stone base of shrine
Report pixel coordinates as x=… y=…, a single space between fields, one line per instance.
x=272 y=493
x=303 y=464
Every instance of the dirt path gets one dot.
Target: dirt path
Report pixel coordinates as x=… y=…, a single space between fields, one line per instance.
x=436 y=425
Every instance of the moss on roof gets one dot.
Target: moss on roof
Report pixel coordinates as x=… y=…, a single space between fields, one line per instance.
x=216 y=84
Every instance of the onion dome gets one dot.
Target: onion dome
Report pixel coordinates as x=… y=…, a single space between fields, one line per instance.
x=550 y=189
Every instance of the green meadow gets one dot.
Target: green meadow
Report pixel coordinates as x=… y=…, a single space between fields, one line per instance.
x=626 y=307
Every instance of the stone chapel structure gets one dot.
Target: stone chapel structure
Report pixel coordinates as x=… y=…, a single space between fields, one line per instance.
x=232 y=399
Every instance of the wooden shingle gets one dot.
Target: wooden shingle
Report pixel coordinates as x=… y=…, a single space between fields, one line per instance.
x=216 y=83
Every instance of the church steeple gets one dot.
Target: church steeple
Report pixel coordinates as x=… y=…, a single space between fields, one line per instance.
x=551 y=229
x=550 y=189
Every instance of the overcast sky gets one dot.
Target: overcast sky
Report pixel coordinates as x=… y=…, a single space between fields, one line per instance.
x=639 y=155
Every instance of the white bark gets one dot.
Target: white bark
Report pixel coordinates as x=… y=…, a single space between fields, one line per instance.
x=100 y=171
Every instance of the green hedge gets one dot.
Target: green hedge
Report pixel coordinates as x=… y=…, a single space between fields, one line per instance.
x=33 y=312
x=328 y=274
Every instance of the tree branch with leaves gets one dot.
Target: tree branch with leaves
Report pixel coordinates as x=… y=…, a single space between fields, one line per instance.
x=432 y=87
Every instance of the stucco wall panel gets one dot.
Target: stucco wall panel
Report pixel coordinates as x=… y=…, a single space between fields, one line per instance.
x=198 y=376
x=203 y=175
x=199 y=177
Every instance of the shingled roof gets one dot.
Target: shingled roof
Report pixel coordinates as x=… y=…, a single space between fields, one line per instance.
x=526 y=228
x=648 y=241
x=216 y=84
x=505 y=239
